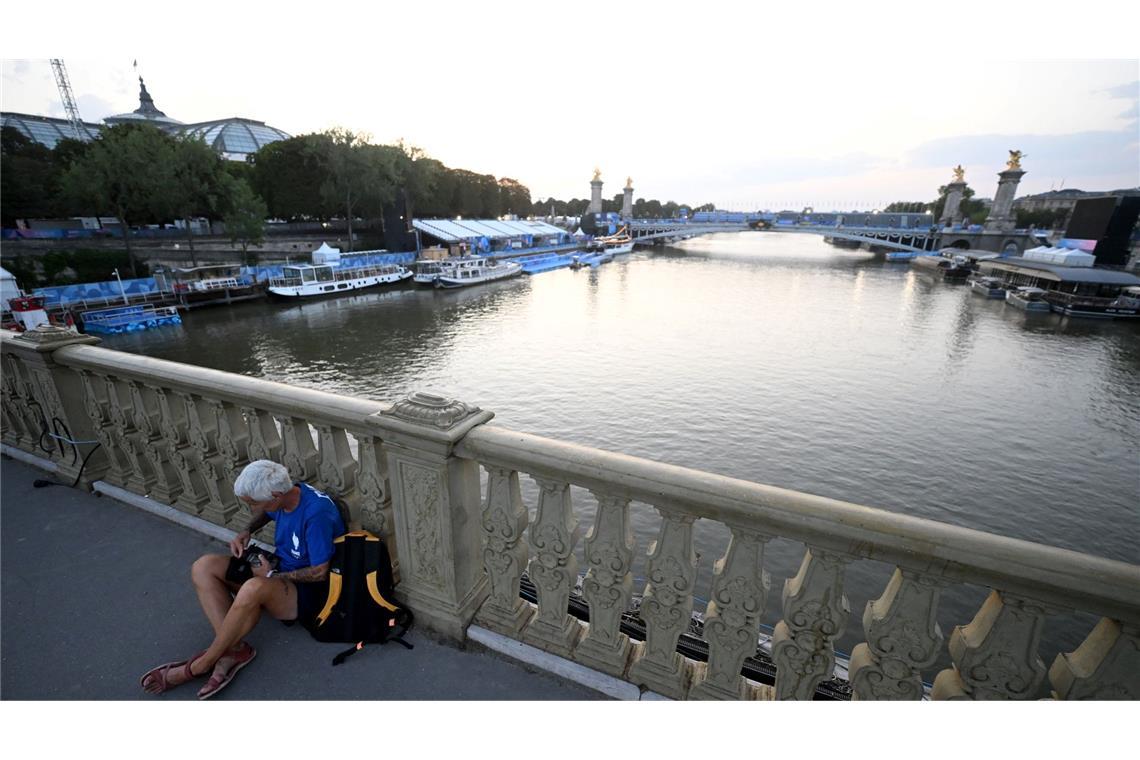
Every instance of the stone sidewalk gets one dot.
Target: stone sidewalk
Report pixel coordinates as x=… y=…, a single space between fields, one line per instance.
x=93 y=593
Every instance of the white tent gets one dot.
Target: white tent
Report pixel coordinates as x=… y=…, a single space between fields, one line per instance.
x=9 y=288
x=326 y=255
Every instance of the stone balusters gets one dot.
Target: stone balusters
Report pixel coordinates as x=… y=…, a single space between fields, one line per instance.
x=902 y=639
x=608 y=587
x=732 y=618
x=667 y=608
x=298 y=453
x=95 y=401
x=553 y=569
x=815 y=613
x=374 y=492
x=1105 y=666
x=222 y=507
x=264 y=440
x=20 y=429
x=336 y=469
x=192 y=497
x=132 y=442
x=995 y=656
x=148 y=422
x=504 y=554
x=233 y=446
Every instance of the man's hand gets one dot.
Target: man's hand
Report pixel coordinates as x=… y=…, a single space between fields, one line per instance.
x=239 y=542
x=261 y=569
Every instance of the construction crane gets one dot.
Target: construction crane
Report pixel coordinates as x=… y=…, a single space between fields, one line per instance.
x=64 y=86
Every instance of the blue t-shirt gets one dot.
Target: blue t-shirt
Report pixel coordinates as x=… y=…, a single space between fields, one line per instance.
x=304 y=537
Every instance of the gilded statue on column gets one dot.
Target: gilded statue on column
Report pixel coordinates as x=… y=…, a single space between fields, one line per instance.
x=597 y=174
x=959 y=173
x=1014 y=162
x=629 y=183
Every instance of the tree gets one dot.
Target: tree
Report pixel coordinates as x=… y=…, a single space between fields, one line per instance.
x=200 y=186
x=906 y=207
x=245 y=219
x=29 y=178
x=288 y=175
x=125 y=172
x=514 y=197
x=350 y=171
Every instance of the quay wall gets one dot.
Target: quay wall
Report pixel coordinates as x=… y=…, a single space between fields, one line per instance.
x=442 y=485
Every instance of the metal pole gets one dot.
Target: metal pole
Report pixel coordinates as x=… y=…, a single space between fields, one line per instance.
x=121 y=289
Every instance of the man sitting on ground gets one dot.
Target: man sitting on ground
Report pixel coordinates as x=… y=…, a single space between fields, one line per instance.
x=307 y=521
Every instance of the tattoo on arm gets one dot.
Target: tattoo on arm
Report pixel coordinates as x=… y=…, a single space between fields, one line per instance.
x=306 y=574
x=259 y=520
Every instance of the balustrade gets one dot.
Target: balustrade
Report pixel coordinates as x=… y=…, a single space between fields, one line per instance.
x=411 y=473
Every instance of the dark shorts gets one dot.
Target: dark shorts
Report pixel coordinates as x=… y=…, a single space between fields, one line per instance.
x=311 y=598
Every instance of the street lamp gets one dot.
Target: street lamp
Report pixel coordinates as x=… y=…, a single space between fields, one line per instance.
x=121 y=289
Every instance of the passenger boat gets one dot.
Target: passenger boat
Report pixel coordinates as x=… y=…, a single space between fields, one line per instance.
x=592 y=260
x=956 y=268
x=309 y=280
x=424 y=271
x=473 y=270
x=990 y=287
x=1124 y=306
x=1027 y=299
x=614 y=245
x=125 y=319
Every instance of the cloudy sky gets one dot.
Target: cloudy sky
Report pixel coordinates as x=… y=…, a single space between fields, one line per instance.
x=734 y=104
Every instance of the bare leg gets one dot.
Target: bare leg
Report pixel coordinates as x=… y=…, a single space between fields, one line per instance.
x=214 y=593
x=278 y=597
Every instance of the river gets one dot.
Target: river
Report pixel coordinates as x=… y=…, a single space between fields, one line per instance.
x=774 y=358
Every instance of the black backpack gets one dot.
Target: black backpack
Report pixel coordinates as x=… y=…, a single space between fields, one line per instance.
x=361 y=607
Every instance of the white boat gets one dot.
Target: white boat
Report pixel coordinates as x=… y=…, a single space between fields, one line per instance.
x=473 y=270
x=990 y=287
x=424 y=271
x=309 y=280
x=1027 y=299
x=614 y=245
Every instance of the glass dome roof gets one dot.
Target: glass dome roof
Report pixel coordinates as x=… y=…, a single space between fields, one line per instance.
x=235 y=135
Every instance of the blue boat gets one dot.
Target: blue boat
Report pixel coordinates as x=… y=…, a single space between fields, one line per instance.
x=128 y=319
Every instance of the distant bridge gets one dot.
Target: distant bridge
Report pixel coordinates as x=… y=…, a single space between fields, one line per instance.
x=916 y=239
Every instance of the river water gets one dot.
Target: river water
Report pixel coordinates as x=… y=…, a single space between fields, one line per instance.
x=772 y=358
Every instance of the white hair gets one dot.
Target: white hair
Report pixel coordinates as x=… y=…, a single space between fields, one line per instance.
x=261 y=479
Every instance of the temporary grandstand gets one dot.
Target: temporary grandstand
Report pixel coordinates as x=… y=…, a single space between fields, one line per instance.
x=483 y=233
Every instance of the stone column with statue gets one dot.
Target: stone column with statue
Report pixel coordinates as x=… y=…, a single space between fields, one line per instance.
x=595 y=193
x=955 y=192
x=627 y=201
x=1002 y=217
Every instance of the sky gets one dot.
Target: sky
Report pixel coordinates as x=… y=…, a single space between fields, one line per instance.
x=739 y=105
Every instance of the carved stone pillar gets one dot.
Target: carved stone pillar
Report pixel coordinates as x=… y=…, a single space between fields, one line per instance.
x=553 y=569
x=202 y=432
x=608 y=587
x=337 y=468
x=147 y=421
x=955 y=192
x=1002 y=217
x=667 y=608
x=815 y=613
x=140 y=477
x=95 y=400
x=192 y=498
x=732 y=618
x=21 y=426
x=995 y=656
x=298 y=453
x=436 y=507
x=374 y=492
x=58 y=392
x=903 y=637
x=1105 y=666
x=504 y=554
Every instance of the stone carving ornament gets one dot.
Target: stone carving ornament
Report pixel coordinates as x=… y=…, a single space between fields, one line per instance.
x=503 y=521
x=421 y=489
x=553 y=568
x=608 y=586
x=815 y=613
x=732 y=619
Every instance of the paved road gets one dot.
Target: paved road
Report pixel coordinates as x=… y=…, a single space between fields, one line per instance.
x=93 y=593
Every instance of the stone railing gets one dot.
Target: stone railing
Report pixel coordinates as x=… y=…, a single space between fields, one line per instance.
x=411 y=471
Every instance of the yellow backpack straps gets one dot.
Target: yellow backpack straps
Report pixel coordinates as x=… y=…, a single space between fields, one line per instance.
x=335 y=582
x=374 y=590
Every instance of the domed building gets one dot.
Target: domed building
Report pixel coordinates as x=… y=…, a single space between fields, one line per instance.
x=234 y=138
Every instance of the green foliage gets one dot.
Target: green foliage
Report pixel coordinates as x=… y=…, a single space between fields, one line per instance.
x=906 y=207
x=245 y=219
x=126 y=172
x=289 y=175
x=67 y=267
x=29 y=179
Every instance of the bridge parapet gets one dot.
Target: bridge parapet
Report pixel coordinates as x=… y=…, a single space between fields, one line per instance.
x=410 y=471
